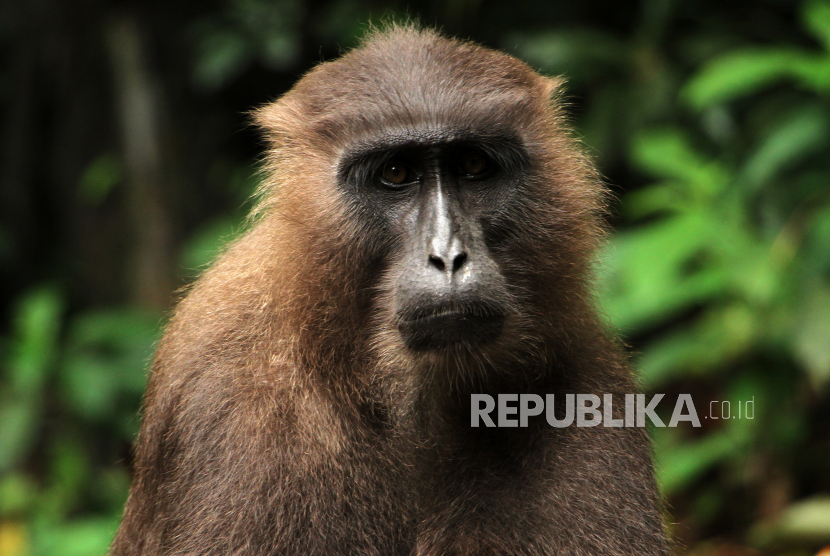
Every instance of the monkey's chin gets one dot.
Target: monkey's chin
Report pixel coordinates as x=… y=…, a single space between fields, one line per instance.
x=450 y=330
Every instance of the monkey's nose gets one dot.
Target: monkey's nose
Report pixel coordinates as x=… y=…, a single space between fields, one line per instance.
x=440 y=262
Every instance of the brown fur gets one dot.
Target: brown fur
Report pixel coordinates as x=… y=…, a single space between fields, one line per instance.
x=284 y=414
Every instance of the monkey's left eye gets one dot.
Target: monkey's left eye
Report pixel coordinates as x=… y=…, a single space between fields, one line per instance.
x=396 y=174
x=475 y=165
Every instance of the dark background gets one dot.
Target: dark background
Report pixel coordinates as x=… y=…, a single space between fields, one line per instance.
x=127 y=159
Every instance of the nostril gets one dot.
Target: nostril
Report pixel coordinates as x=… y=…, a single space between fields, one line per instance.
x=459 y=261
x=437 y=262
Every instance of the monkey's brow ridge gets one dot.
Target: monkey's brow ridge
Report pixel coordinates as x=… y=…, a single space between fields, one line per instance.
x=505 y=148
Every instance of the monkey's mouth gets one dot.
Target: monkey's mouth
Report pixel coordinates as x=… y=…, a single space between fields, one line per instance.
x=446 y=325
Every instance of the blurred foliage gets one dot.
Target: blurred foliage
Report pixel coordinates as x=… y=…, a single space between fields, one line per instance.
x=247 y=31
x=711 y=121
x=68 y=400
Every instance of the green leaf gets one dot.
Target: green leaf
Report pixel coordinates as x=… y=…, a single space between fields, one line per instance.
x=649 y=274
x=679 y=463
x=817 y=19
x=800 y=133
x=91 y=387
x=669 y=154
x=107 y=355
x=80 y=537
x=813 y=72
x=713 y=340
x=35 y=341
x=739 y=73
x=805 y=521
x=654 y=199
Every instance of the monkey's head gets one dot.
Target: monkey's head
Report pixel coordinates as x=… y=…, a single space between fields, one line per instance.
x=437 y=176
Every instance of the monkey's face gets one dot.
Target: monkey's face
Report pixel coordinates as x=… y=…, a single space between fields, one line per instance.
x=438 y=189
x=438 y=197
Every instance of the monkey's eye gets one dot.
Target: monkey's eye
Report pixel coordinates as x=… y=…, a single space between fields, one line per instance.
x=396 y=174
x=475 y=165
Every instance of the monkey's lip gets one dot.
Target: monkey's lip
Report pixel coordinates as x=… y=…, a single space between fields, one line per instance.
x=453 y=311
x=444 y=326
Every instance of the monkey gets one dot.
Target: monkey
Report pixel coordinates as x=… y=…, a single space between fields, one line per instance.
x=425 y=231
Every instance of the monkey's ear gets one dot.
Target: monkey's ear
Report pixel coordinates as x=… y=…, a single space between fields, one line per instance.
x=268 y=116
x=553 y=86
x=275 y=120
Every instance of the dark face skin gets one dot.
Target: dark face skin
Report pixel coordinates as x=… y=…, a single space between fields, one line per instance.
x=436 y=199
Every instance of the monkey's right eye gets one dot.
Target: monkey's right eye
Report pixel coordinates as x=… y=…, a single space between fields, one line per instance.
x=396 y=174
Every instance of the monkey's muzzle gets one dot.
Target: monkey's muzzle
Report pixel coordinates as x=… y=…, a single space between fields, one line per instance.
x=446 y=325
